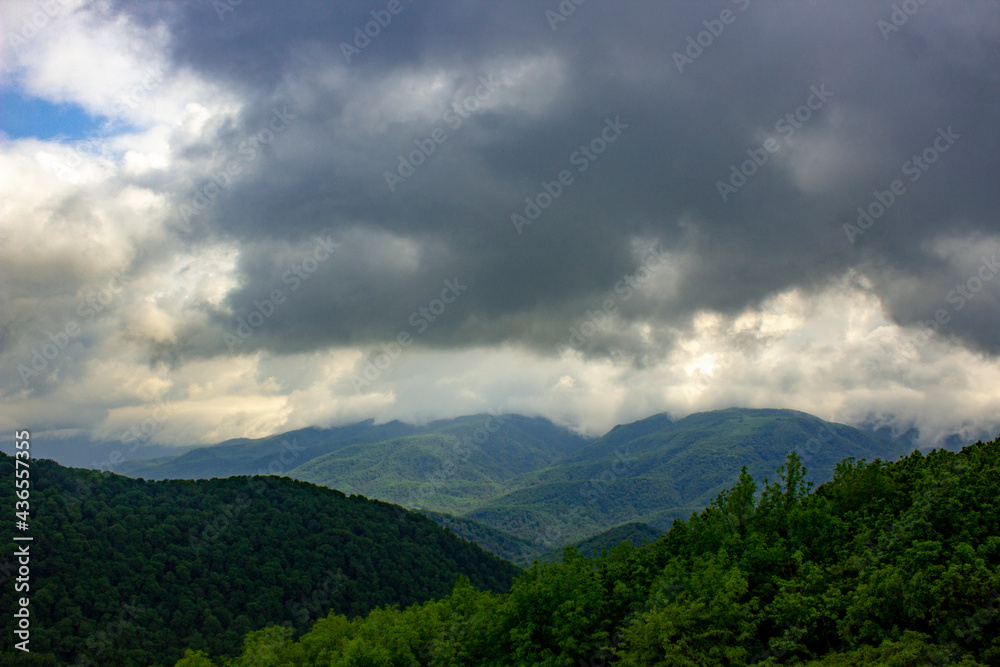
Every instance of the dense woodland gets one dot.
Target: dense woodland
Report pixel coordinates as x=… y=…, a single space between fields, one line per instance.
x=129 y=572
x=889 y=563
x=522 y=487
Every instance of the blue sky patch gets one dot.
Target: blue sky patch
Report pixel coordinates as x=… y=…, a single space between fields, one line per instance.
x=22 y=116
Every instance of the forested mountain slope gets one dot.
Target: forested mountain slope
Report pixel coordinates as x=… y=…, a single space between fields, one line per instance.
x=635 y=534
x=127 y=572
x=539 y=482
x=515 y=549
x=887 y=564
x=396 y=462
x=276 y=454
x=451 y=469
x=655 y=471
x=650 y=471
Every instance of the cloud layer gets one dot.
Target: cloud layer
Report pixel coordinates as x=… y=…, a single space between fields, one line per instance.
x=305 y=214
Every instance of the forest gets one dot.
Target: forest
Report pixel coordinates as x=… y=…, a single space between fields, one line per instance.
x=892 y=563
x=130 y=572
x=523 y=488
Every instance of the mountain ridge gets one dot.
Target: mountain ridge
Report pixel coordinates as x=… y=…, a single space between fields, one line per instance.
x=203 y=562
x=534 y=481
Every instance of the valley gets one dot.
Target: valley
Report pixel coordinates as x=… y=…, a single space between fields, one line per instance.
x=444 y=534
x=532 y=483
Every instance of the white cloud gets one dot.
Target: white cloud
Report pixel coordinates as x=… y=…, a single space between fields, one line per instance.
x=828 y=354
x=71 y=216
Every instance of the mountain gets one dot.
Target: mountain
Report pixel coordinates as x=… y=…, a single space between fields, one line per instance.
x=657 y=470
x=125 y=571
x=509 y=547
x=635 y=534
x=524 y=552
x=274 y=454
x=887 y=564
x=531 y=479
x=78 y=450
x=451 y=467
x=516 y=444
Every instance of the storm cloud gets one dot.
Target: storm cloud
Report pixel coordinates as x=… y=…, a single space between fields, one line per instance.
x=640 y=204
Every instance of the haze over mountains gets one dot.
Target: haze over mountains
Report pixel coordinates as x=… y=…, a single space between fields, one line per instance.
x=534 y=486
x=894 y=564
x=273 y=267
x=138 y=270
x=137 y=572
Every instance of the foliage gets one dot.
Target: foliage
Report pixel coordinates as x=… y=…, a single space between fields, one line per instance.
x=509 y=547
x=541 y=485
x=132 y=572
x=888 y=563
x=635 y=534
x=273 y=454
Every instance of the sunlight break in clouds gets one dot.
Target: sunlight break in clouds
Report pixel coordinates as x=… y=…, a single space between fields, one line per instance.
x=117 y=292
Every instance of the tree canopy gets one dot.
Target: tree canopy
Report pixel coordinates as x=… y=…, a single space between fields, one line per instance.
x=131 y=572
x=889 y=563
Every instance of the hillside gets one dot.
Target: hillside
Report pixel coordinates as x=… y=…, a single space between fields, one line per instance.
x=515 y=549
x=128 y=571
x=276 y=454
x=409 y=461
x=887 y=564
x=523 y=552
x=635 y=534
x=451 y=467
x=655 y=471
x=543 y=484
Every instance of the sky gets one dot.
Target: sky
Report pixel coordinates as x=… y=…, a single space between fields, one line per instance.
x=230 y=218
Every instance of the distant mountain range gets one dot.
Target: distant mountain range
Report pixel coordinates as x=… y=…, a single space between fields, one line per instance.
x=887 y=564
x=521 y=486
x=654 y=471
x=275 y=454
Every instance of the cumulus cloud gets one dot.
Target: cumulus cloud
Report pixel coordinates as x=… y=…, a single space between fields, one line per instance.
x=622 y=235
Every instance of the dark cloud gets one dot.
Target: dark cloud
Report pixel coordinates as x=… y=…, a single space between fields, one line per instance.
x=657 y=182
